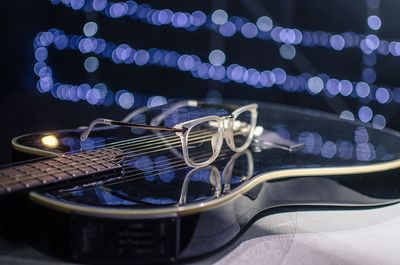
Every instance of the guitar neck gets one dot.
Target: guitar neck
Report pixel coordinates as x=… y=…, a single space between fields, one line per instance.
x=53 y=170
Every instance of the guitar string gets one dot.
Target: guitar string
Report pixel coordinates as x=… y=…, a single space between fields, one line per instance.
x=140 y=141
x=130 y=145
x=151 y=170
x=143 y=172
x=131 y=154
x=11 y=181
x=134 y=153
x=140 y=172
x=138 y=138
x=170 y=170
x=192 y=113
x=101 y=155
x=130 y=178
x=125 y=143
x=154 y=141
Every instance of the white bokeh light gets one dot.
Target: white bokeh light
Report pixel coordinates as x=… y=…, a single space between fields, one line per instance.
x=217 y=57
x=219 y=17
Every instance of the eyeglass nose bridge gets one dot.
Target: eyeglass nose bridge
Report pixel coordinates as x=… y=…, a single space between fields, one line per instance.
x=227 y=120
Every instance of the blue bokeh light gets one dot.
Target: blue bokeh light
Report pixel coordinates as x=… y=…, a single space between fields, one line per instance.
x=126 y=100
x=99 y=5
x=118 y=10
x=249 y=30
x=365 y=114
x=382 y=95
x=374 y=22
x=337 y=42
x=77 y=4
x=41 y=54
x=227 y=29
x=363 y=89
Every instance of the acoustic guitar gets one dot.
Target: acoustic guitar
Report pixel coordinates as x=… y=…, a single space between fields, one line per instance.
x=126 y=196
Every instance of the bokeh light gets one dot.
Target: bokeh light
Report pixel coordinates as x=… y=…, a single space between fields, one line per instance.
x=217 y=57
x=90 y=29
x=91 y=64
x=264 y=23
x=126 y=100
x=315 y=84
x=287 y=51
x=365 y=114
x=219 y=17
x=374 y=22
x=219 y=22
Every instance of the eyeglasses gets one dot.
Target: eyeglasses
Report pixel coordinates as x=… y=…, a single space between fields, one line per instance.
x=205 y=134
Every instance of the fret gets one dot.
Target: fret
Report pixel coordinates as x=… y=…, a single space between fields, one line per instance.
x=61 y=175
x=76 y=172
x=24 y=168
x=29 y=172
x=53 y=163
x=14 y=186
x=78 y=158
x=12 y=172
x=66 y=168
x=88 y=170
x=63 y=160
x=109 y=165
x=47 y=179
x=34 y=172
x=42 y=166
x=30 y=183
x=98 y=167
x=10 y=182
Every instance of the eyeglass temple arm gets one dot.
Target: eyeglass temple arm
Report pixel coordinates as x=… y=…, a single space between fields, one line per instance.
x=186 y=103
x=171 y=109
x=86 y=132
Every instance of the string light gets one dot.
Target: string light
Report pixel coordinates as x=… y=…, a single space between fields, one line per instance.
x=374 y=22
x=220 y=22
x=90 y=29
x=184 y=62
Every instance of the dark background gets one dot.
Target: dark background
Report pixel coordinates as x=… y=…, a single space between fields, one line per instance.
x=24 y=109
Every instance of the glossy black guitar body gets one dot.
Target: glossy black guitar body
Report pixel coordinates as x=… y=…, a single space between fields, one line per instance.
x=154 y=209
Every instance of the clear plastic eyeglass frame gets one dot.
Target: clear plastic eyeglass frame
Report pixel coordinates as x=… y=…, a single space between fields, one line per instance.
x=224 y=125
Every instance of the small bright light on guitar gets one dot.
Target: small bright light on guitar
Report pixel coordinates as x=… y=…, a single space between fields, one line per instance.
x=50 y=141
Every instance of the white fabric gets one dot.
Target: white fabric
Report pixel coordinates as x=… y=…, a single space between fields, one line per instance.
x=353 y=237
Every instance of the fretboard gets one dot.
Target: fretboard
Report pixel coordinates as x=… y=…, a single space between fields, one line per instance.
x=53 y=170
